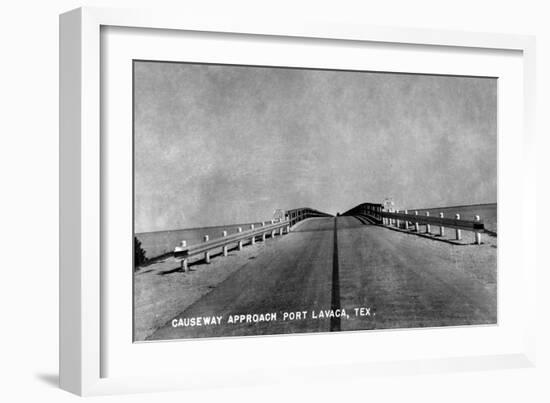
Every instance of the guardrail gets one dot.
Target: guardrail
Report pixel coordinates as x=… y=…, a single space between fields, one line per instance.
x=408 y=221
x=371 y=210
x=299 y=214
x=272 y=228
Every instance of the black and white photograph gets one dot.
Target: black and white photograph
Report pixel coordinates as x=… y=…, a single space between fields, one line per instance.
x=295 y=201
x=273 y=200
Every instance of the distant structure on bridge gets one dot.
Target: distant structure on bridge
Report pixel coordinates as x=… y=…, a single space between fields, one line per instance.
x=388 y=204
x=279 y=214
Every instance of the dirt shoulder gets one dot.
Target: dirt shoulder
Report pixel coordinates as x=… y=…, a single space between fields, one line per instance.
x=162 y=290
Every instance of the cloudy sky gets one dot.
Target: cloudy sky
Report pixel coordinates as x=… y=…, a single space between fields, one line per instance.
x=230 y=144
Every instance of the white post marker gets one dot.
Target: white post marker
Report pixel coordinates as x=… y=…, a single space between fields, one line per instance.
x=427 y=225
x=263 y=233
x=184 y=267
x=207 y=253
x=240 y=245
x=406 y=221
x=478 y=233
x=253 y=239
x=416 y=225
x=441 y=228
x=458 y=232
x=224 y=234
x=397 y=220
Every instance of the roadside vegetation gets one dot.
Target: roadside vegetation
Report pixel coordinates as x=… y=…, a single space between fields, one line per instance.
x=139 y=254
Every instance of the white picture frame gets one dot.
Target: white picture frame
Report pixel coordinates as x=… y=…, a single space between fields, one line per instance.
x=83 y=306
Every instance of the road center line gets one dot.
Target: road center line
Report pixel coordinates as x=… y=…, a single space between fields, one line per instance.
x=335 y=299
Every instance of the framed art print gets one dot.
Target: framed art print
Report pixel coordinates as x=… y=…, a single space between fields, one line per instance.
x=253 y=195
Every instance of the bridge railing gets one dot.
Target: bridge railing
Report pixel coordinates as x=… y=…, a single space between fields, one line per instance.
x=272 y=227
x=404 y=220
x=299 y=214
x=441 y=221
x=370 y=210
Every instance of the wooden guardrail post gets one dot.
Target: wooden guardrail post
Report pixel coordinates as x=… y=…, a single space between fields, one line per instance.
x=224 y=234
x=416 y=225
x=406 y=221
x=184 y=265
x=207 y=253
x=272 y=231
x=263 y=233
x=427 y=225
x=458 y=232
x=240 y=242
x=441 y=228
x=397 y=220
x=253 y=239
x=478 y=233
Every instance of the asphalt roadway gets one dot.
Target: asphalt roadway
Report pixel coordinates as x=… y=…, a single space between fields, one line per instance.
x=381 y=278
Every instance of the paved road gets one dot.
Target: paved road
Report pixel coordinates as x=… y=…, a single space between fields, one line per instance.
x=410 y=281
x=400 y=280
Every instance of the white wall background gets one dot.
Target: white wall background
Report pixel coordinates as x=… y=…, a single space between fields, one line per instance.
x=29 y=201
